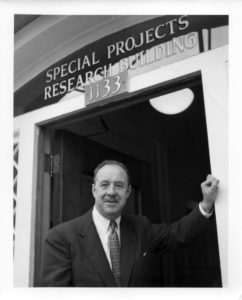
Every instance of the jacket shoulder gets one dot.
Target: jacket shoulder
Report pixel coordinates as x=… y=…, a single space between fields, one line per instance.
x=71 y=227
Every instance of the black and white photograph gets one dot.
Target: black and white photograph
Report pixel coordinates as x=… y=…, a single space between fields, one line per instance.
x=121 y=162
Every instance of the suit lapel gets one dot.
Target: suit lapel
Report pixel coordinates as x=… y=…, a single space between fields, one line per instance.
x=94 y=250
x=128 y=250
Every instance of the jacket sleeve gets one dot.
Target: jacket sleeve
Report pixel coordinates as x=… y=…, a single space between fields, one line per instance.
x=56 y=264
x=171 y=237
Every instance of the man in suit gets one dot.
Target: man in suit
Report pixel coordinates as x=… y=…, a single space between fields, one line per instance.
x=105 y=248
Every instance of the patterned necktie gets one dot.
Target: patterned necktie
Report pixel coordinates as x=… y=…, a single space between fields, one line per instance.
x=114 y=251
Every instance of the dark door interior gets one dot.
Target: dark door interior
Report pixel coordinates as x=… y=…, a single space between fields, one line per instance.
x=168 y=158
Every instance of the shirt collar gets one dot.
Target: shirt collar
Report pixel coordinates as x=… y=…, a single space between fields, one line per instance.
x=102 y=222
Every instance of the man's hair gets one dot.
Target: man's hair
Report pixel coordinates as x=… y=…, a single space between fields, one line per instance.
x=111 y=162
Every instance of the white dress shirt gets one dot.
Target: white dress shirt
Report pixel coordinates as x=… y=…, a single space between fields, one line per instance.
x=103 y=230
x=203 y=212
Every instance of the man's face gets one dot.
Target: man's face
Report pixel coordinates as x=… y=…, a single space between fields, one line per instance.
x=111 y=191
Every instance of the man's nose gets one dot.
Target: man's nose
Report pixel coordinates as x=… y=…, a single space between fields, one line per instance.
x=111 y=190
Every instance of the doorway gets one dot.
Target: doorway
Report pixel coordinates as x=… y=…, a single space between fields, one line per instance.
x=168 y=158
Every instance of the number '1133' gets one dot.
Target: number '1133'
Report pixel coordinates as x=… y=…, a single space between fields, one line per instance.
x=104 y=89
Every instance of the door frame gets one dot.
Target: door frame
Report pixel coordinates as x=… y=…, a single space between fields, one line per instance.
x=45 y=181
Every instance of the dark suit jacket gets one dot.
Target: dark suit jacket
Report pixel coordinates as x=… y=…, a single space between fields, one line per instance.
x=73 y=254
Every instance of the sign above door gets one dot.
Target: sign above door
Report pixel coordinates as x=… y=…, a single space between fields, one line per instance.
x=97 y=68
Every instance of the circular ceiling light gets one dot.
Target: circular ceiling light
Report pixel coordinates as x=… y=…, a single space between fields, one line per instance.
x=173 y=103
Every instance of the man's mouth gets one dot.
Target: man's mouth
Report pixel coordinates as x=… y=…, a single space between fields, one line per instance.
x=111 y=201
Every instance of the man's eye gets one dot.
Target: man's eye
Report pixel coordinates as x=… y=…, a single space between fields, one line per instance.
x=104 y=184
x=120 y=186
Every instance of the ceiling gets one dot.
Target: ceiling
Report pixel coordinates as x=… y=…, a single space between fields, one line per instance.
x=20 y=21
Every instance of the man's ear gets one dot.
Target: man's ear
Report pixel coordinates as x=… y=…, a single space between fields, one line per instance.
x=129 y=190
x=93 y=189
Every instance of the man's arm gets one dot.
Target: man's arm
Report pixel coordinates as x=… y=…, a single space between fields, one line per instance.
x=170 y=237
x=56 y=265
